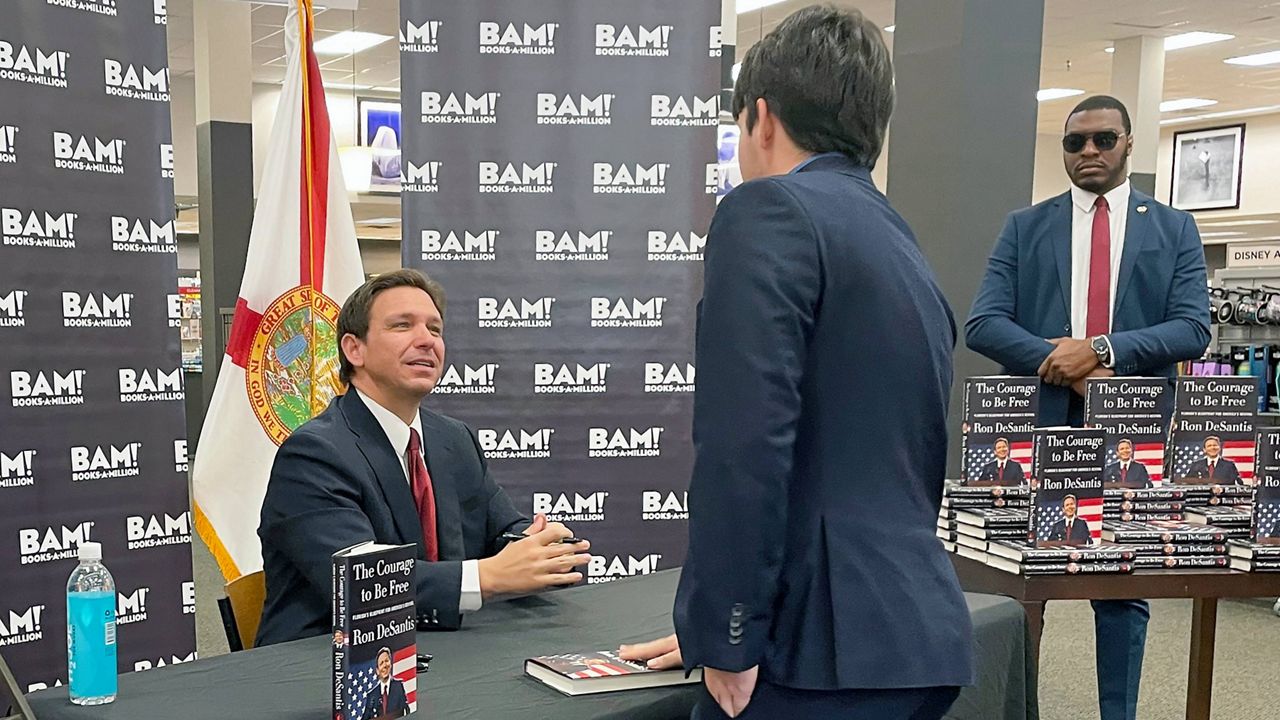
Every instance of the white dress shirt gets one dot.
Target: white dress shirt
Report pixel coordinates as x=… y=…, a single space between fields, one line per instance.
x=398 y=435
x=1081 y=244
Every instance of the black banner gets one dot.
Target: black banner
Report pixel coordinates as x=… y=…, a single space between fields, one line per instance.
x=559 y=176
x=92 y=436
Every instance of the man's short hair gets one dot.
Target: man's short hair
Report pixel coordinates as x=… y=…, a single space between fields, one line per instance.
x=354 y=317
x=382 y=651
x=1124 y=441
x=827 y=75
x=1069 y=497
x=1104 y=102
x=1214 y=438
x=1000 y=440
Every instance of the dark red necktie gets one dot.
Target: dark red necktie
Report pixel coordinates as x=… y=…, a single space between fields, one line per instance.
x=1124 y=472
x=384 y=702
x=1098 y=315
x=1211 y=466
x=424 y=496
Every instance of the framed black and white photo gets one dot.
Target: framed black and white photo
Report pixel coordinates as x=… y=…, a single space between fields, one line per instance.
x=1206 y=168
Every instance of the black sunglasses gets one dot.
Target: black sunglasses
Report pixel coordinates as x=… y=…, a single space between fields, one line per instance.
x=1104 y=141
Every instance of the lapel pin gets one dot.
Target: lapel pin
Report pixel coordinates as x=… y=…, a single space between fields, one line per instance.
x=1142 y=209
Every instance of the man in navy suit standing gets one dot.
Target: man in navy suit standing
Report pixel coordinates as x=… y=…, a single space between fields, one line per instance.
x=1125 y=472
x=1002 y=470
x=1099 y=281
x=1213 y=467
x=817 y=475
x=1071 y=528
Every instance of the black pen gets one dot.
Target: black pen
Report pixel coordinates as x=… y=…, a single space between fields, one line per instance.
x=520 y=536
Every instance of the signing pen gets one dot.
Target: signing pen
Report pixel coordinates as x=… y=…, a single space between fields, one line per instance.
x=520 y=536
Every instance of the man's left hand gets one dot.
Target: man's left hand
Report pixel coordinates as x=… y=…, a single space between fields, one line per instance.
x=1070 y=361
x=1080 y=386
x=731 y=690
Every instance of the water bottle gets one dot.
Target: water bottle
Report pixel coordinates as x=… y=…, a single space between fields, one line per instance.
x=91 y=629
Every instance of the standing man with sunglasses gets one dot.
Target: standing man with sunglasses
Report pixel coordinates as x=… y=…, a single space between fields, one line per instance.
x=1099 y=281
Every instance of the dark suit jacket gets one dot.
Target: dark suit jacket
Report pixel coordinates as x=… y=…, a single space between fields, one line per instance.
x=824 y=368
x=1224 y=472
x=1078 y=535
x=1135 y=477
x=1013 y=473
x=1161 y=309
x=397 y=701
x=337 y=482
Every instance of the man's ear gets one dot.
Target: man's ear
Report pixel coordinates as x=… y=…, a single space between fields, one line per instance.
x=353 y=348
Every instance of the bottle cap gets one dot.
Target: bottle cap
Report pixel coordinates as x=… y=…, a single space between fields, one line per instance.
x=90 y=551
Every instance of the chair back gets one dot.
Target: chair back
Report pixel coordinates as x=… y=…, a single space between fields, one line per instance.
x=246 y=596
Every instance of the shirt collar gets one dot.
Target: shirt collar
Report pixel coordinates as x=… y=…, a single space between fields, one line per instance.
x=811 y=159
x=1117 y=198
x=397 y=432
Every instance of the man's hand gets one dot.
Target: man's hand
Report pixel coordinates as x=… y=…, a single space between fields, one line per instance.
x=660 y=654
x=731 y=690
x=1070 y=361
x=536 y=563
x=1080 y=385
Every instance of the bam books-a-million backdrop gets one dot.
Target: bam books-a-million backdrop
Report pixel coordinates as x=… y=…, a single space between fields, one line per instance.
x=559 y=175
x=92 y=443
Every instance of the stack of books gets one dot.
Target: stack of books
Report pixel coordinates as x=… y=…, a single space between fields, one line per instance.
x=972 y=516
x=1234 y=521
x=1254 y=557
x=1023 y=558
x=1163 y=544
x=1163 y=503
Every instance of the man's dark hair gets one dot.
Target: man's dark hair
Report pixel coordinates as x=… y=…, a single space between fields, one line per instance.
x=1000 y=440
x=383 y=650
x=1124 y=441
x=354 y=318
x=827 y=75
x=1214 y=438
x=1105 y=102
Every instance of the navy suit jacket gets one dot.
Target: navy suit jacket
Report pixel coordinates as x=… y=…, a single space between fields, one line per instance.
x=397 y=701
x=824 y=351
x=1013 y=473
x=1077 y=535
x=337 y=482
x=1160 y=316
x=1135 y=477
x=1224 y=471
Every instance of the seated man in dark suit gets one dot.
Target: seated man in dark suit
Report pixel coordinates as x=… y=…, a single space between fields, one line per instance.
x=387 y=699
x=1070 y=529
x=1003 y=470
x=1213 y=467
x=375 y=465
x=1125 y=472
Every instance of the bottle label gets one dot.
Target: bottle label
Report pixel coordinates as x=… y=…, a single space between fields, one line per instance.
x=111 y=633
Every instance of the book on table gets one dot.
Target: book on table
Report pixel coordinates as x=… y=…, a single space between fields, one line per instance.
x=586 y=673
x=374 y=642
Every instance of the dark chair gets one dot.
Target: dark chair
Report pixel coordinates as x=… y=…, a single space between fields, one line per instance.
x=19 y=710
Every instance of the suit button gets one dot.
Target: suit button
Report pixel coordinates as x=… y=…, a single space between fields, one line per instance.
x=737 y=610
x=1066 y=328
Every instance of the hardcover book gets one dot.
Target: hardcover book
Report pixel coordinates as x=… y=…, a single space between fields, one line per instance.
x=1222 y=517
x=1006 y=492
x=585 y=673
x=374 y=647
x=1178 y=549
x=1028 y=553
x=1134 y=412
x=1067 y=469
x=1255 y=565
x=1265 y=521
x=994 y=517
x=999 y=415
x=1057 y=568
x=1253 y=551
x=1211 y=435
x=1162 y=532
x=1169 y=562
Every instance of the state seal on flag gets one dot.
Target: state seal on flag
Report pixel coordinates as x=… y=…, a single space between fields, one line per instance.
x=291 y=372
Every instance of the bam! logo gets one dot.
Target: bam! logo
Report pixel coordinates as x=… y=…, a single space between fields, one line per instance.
x=662 y=378
x=715 y=44
x=633 y=41
x=569 y=379
x=575 y=110
x=515 y=313
x=132 y=608
x=676 y=247
x=105 y=462
x=441 y=109
x=423 y=38
x=468 y=380
x=513 y=39
x=173 y=307
x=21 y=627
x=180 y=461
x=561 y=508
x=572 y=246
x=148 y=531
x=79 y=153
x=440 y=245
x=635 y=313
x=12 y=309
x=57 y=542
x=138 y=235
x=681 y=111
x=38 y=229
x=713 y=178
x=150 y=385
x=141 y=665
x=424 y=178
x=96 y=310
x=8 y=143
x=508 y=178
x=17 y=470
x=38 y=686
x=166 y=160
x=44 y=390
x=518 y=444
x=630 y=179
x=655 y=505
x=35 y=66
x=604 y=569
x=628 y=442
x=160 y=13
x=135 y=83
x=189 y=597
x=97 y=7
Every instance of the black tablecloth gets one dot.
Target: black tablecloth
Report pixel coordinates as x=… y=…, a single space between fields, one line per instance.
x=477 y=673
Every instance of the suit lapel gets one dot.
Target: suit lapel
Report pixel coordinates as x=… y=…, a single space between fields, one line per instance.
x=386 y=467
x=437 y=445
x=1135 y=233
x=1061 y=241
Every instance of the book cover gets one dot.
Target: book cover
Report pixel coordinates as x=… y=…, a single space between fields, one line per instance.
x=1006 y=492
x=1252 y=550
x=1255 y=565
x=1028 y=553
x=1178 y=549
x=995 y=439
x=1148 y=517
x=1067 y=471
x=1162 y=532
x=1143 y=506
x=1150 y=494
x=1071 y=568
x=993 y=533
x=1169 y=562
x=586 y=673
x=374 y=647
x=995 y=517
x=1134 y=412
x=965 y=503
x=1222 y=517
x=1211 y=435
x=1265 y=520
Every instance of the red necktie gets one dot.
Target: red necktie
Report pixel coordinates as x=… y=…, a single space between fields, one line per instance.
x=1098 y=315
x=384 y=702
x=1212 y=464
x=424 y=496
x=1124 y=471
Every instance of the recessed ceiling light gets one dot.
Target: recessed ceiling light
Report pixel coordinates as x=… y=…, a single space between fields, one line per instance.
x=1057 y=93
x=1192 y=39
x=1185 y=104
x=1237 y=223
x=386 y=88
x=1266 y=58
x=1221 y=234
x=749 y=5
x=1225 y=113
x=890 y=28
x=348 y=42
x=344 y=86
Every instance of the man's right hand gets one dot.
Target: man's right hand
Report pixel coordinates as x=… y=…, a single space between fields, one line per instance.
x=536 y=563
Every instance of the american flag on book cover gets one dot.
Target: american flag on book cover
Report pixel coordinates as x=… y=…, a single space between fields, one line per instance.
x=980 y=455
x=1240 y=452
x=602 y=669
x=1087 y=509
x=1266 y=520
x=363 y=678
x=1151 y=455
